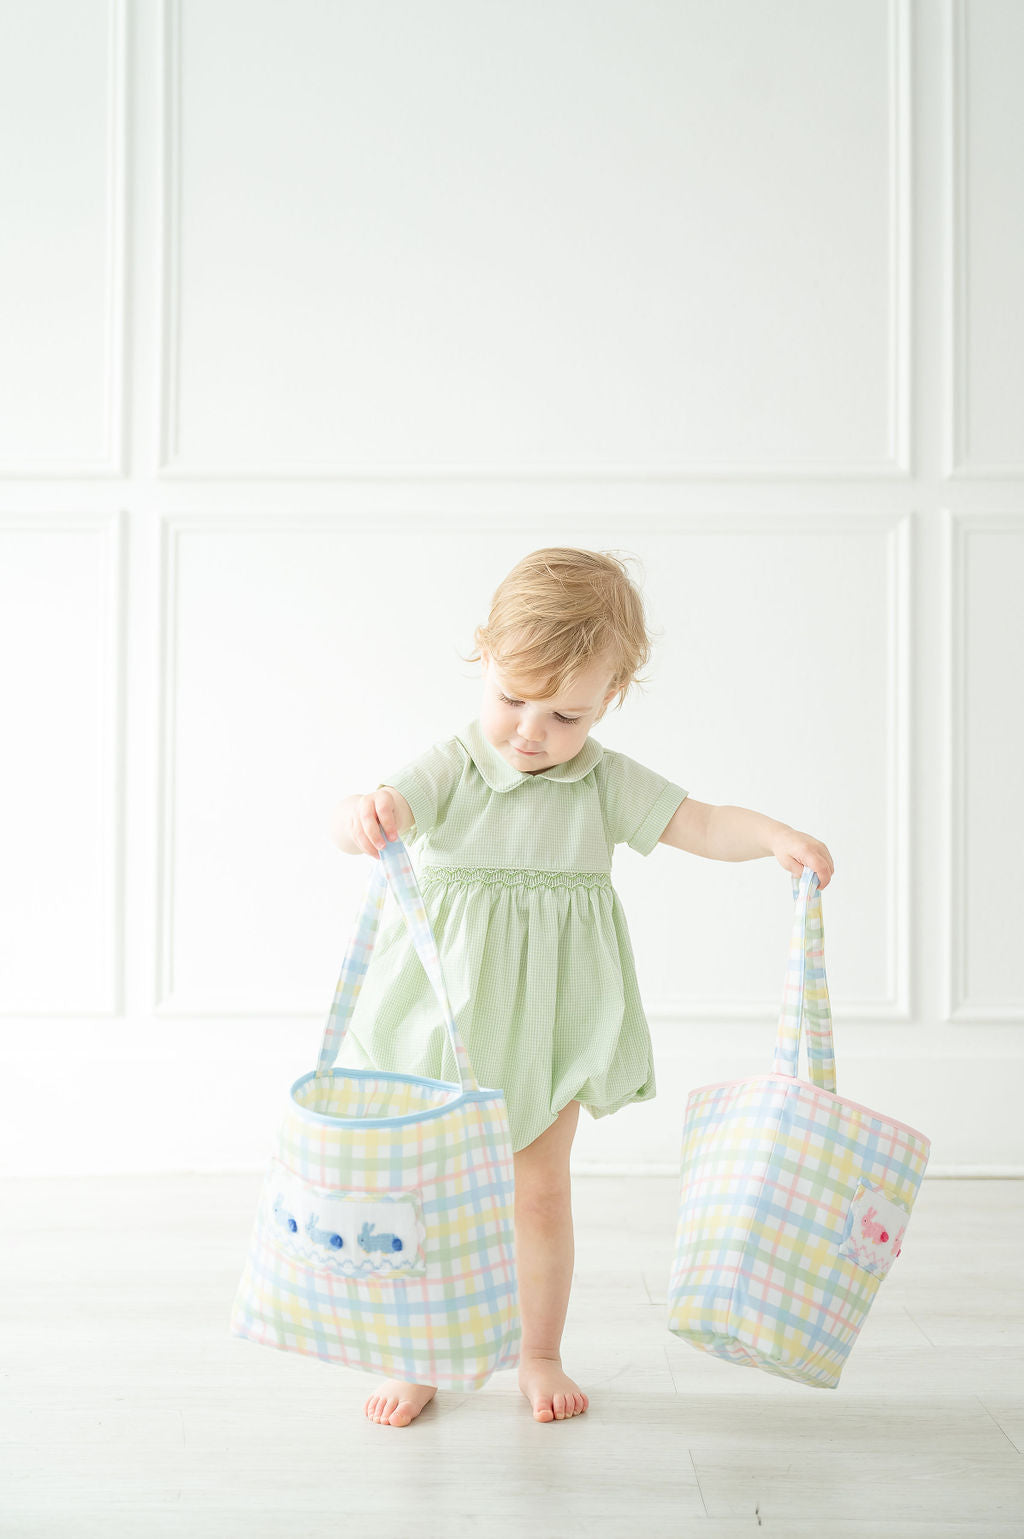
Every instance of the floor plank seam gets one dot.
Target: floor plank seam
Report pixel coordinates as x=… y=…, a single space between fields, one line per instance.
x=700 y=1493
x=1002 y=1429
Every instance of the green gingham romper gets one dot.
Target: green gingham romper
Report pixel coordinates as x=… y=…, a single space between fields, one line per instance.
x=515 y=871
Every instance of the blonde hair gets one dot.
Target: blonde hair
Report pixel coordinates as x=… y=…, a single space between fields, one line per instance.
x=561 y=609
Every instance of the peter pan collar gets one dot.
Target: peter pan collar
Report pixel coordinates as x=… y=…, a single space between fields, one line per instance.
x=502 y=776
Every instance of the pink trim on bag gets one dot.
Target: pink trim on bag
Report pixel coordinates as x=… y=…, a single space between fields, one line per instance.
x=805 y=1084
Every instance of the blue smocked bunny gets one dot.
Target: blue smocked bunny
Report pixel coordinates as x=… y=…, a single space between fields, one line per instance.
x=322 y=1236
x=370 y=1241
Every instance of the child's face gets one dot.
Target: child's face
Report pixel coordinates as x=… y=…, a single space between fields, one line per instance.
x=533 y=735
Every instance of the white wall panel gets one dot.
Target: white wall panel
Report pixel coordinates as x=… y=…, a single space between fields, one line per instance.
x=60 y=770
x=268 y=679
x=62 y=237
x=988 y=212
x=644 y=237
x=252 y=682
x=987 y=892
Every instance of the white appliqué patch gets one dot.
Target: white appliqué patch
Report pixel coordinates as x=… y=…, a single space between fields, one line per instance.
x=874 y=1229
x=347 y=1231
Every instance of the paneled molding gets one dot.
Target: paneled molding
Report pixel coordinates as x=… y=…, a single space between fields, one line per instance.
x=958 y=464
x=897 y=465
x=110 y=812
x=110 y=462
x=894 y=1007
x=959 y=530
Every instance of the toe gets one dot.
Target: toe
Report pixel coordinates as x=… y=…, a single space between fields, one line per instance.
x=401 y=1416
x=543 y=1411
x=558 y=1406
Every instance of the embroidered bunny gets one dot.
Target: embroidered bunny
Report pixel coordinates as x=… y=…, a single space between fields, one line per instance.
x=283 y=1216
x=873 y=1230
x=370 y=1241
x=322 y=1236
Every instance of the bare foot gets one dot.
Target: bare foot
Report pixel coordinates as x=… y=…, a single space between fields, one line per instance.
x=553 y=1395
x=396 y=1402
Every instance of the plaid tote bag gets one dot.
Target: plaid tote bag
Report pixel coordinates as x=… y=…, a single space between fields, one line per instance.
x=794 y=1201
x=384 y=1235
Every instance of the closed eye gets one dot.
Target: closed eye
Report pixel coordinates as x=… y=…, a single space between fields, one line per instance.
x=569 y=720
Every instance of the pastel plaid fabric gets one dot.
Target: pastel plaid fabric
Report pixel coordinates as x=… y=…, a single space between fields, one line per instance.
x=794 y=1201
x=384 y=1234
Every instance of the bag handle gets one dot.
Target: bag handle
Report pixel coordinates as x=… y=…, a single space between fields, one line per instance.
x=805 y=993
x=393 y=867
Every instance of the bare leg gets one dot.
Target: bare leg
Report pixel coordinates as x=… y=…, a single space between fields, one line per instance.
x=545 y=1254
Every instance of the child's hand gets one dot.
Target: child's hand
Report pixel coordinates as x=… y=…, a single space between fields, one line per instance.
x=370 y=814
x=795 y=850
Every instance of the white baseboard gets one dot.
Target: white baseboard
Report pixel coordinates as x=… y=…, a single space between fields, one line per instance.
x=129 y=1106
x=938 y=1173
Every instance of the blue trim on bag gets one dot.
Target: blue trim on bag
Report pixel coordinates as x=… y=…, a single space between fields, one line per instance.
x=388 y=1122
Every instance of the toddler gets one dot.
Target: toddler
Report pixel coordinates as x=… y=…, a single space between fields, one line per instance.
x=515 y=819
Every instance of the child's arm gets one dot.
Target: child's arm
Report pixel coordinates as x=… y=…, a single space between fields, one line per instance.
x=738 y=833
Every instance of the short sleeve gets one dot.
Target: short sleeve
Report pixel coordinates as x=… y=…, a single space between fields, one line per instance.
x=428 y=783
x=637 y=802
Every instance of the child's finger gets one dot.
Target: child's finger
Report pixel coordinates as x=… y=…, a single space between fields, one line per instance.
x=372 y=829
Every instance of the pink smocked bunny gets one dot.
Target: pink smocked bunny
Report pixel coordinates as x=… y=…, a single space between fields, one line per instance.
x=875 y=1231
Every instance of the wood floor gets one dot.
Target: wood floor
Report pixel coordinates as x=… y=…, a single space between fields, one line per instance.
x=127 y=1409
